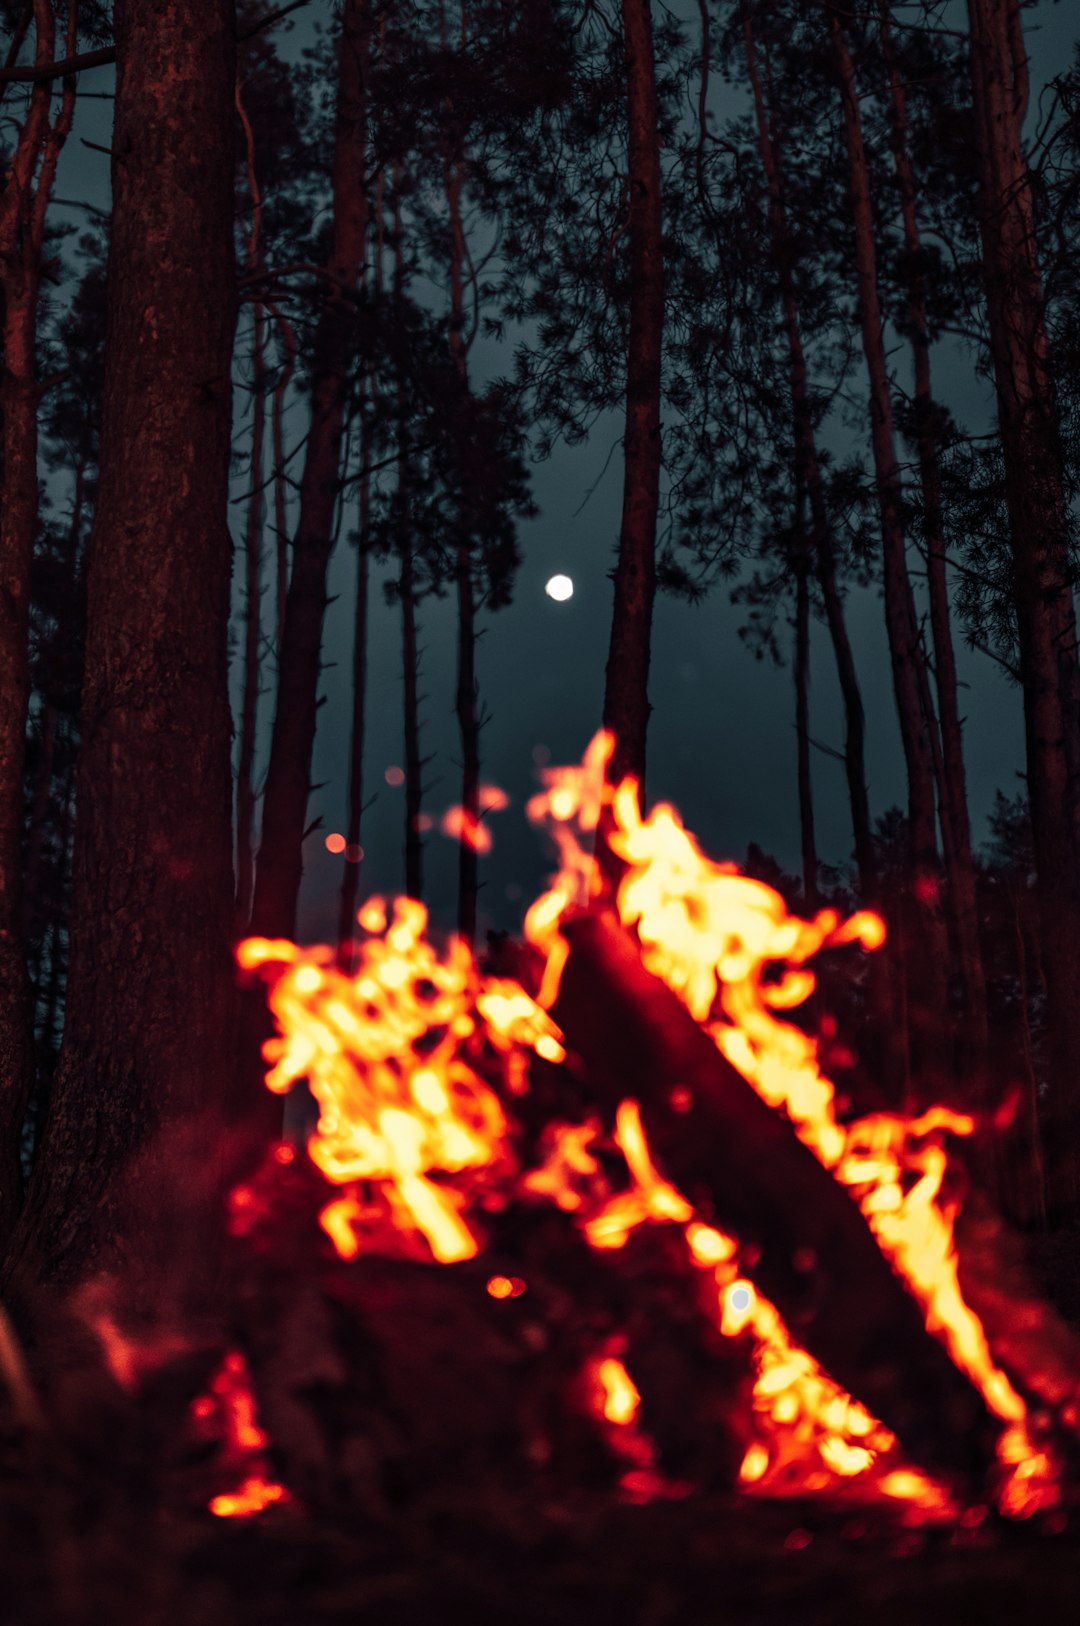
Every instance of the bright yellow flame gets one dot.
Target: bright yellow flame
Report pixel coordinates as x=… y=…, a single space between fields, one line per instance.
x=621 y=1398
x=393 y=1057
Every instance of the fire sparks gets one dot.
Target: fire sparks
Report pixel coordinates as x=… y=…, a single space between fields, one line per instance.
x=415 y=1057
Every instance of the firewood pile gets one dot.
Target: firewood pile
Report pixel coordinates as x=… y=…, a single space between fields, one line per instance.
x=580 y=1304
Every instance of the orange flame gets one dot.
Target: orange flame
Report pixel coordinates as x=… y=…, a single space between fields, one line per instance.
x=393 y=1057
x=229 y=1402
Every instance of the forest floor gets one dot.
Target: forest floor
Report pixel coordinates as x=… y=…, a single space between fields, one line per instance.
x=105 y=1517
x=694 y=1563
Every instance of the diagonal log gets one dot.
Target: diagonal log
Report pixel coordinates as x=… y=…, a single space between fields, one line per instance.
x=741 y=1164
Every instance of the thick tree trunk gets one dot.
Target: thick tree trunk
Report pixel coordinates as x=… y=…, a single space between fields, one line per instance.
x=929 y=952
x=1042 y=577
x=23 y=202
x=955 y=825
x=146 y=1039
x=626 y=692
x=280 y=862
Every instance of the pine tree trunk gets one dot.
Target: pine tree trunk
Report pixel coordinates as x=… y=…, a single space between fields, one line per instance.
x=280 y=862
x=149 y=991
x=929 y=951
x=1042 y=585
x=253 y=532
x=253 y=536
x=466 y=694
x=802 y=731
x=808 y=476
x=808 y=473
x=410 y=658
x=23 y=201
x=626 y=692
x=281 y=512
x=350 y=878
x=955 y=825
x=465 y=704
x=414 y=768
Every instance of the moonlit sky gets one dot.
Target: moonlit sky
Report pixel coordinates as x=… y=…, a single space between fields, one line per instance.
x=722 y=740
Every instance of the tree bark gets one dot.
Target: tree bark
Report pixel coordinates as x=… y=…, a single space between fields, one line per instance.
x=410 y=659
x=929 y=951
x=146 y=1040
x=955 y=825
x=280 y=862
x=1042 y=576
x=253 y=536
x=281 y=513
x=626 y=691
x=23 y=202
x=802 y=727
x=350 y=878
x=466 y=692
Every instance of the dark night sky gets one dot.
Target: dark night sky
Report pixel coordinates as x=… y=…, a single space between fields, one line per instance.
x=722 y=742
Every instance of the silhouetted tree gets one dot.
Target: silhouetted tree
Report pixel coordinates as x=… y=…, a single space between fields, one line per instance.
x=146 y=1040
x=1042 y=575
x=280 y=859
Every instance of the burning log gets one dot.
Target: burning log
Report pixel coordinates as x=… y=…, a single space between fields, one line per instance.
x=806 y=1245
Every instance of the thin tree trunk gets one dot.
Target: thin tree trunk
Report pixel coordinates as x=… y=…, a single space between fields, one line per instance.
x=1042 y=581
x=626 y=691
x=1035 y=1173
x=802 y=728
x=350 y=878
x=890 y=1045
x=280 y=862
x=910 y=686
x=955 y=825
x=253 y=535
x=410 y=661
x=281 y=512
x=146 y=1040
x=809 y=472
x=414 y=788
x=23 y=202
x=466 y=691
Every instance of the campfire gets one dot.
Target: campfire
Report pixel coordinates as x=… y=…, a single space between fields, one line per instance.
x=626 y=1084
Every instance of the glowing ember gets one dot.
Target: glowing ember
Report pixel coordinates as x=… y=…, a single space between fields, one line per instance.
x=621 y=1399
x=228 y=1409
x=505 y=1287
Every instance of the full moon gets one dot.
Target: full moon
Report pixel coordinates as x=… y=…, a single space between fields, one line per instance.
x=560 y=588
